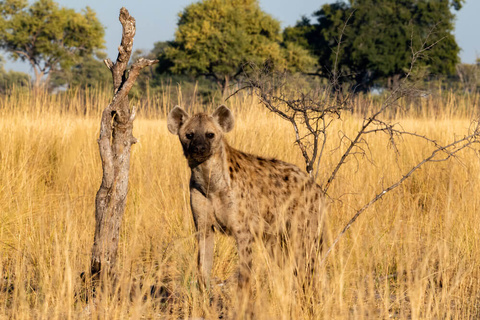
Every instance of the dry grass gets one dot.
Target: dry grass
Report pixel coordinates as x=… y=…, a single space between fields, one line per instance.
x=414 y=255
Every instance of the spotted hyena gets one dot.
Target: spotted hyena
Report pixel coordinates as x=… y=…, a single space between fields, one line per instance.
x=242 y=195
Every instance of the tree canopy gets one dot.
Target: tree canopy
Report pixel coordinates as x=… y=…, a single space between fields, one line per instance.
x=10 y=79
x=377 y=42
x=216 y=38
x=88 y=71
x=47 y=36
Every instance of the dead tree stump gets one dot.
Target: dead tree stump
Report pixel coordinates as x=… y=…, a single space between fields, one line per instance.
x=115 y=142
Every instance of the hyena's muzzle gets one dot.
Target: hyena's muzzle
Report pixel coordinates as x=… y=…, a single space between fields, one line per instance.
x=199 y=148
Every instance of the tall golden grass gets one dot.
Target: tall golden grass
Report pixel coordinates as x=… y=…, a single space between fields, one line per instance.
x=413 y=255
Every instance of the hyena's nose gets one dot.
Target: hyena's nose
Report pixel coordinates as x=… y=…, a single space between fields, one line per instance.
x=199 y=149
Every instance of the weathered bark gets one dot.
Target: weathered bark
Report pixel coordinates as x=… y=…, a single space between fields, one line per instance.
x=115 y=142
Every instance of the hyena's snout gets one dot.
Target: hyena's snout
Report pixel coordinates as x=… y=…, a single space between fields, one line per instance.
x=199 y=149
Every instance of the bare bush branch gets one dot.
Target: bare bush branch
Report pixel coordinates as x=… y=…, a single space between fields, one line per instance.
x=448 y=151
x=311 y=112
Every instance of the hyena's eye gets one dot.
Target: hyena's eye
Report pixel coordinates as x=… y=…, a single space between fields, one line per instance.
x=189 y=136
x=210 y=135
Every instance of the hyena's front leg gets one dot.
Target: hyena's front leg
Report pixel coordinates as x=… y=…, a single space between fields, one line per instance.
x=244 y=245
x=202 y=210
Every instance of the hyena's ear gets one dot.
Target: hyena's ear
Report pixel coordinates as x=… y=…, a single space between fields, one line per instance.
x=224 y=117
x=175 y=119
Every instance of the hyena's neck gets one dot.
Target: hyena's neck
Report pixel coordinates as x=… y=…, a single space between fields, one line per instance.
x=211 y=175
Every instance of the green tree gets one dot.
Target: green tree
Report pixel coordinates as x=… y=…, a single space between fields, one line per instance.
x=47 y=36
x=215 y=38
x=377 y=43
x=157 y=72
x=88 y=71
x=10 y=79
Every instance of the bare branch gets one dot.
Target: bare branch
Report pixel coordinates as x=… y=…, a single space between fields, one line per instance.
x=335 y=75
x=108 y=63
x=457 y=146
x=114 y=143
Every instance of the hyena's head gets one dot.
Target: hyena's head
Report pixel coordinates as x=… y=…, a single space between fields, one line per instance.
x=201 y=135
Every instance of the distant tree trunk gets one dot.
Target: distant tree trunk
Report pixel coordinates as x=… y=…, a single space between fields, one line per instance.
x=114 y=143
x=38 y=78
x=393 y=82
x=225 y=86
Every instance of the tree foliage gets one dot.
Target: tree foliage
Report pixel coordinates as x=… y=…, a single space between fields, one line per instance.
x=47 y=36
x=10 y=79
x=377 y=43
x=216 y=38
x=88 y=71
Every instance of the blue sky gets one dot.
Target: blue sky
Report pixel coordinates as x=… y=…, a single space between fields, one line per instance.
x=156 y=21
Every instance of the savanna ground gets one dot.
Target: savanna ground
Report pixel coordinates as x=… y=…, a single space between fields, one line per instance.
x=413 y=255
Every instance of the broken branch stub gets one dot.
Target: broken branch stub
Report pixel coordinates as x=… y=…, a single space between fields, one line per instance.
x=115 y=142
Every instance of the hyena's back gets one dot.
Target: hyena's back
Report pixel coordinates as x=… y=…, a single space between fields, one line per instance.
x=272 y=194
